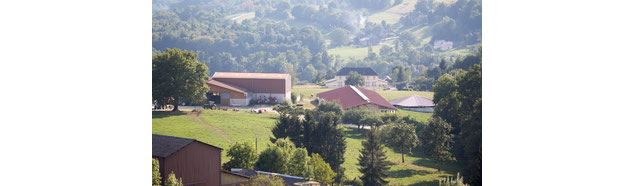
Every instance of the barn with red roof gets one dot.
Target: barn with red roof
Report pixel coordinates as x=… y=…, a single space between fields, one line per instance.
x=356 y=97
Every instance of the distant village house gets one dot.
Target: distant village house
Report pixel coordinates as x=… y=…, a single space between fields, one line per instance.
x=371 y=78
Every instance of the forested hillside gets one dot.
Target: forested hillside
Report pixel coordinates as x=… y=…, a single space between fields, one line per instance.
x=312 y=39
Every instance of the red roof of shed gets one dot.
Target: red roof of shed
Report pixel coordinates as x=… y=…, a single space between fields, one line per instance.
x=351 y=96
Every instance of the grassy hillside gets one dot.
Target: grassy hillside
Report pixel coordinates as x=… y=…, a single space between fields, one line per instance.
x=354 y=52
x=414 y=171
x=393 y=14
x=217 y=127
x=223 y=128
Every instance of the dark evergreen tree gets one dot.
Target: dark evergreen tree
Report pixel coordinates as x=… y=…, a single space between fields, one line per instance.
x=372 y=160
x=437 y=140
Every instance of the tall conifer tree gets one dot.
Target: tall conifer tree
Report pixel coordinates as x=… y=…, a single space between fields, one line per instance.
x=372 y=161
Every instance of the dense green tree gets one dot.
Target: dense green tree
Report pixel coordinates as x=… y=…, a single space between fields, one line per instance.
x=458 y=101
x=265 y=180
x=354 y=79
x=173 y=181
x=288 y=125
x=178 y=76
x=371 y=120
x=241 y=155
x=299 y=165
x=156 y=174
x=437 y=140
x=401 y=74
x=400 y=136
x=321 y=170
x=332 y=146
x=333 y=107
x=372 y=160
x=471 y=123
x=340 y=37
x=361 y=117
x=272 y=159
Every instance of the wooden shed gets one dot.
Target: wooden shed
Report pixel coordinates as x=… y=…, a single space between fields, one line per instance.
x=197 y=163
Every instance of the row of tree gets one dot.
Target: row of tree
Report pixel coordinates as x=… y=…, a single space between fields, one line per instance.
x=317 y=132
x=282 y=157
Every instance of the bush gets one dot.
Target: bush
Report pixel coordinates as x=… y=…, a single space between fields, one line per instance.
x=241 y=155
x=294 y=98
x=172 y=181
x=265 y=180
x=354 y=182
x=449 y=181
x=156 y=174
x=322 y=171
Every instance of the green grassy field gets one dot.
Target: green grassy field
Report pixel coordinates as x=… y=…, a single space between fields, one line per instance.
x=217 y=127
x=224 y=128
x=414 y=171
x=393 y=14
x=352 y=52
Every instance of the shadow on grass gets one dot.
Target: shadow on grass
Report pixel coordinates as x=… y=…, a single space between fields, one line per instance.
x=448 y=167
x=165 y=114
x=355 y=133
x=406 y=173
x=426 y=183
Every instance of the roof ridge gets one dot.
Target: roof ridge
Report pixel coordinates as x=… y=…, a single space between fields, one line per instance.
x=360 y=93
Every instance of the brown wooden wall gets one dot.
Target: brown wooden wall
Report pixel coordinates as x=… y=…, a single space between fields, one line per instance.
x=232 y=94
x=197 y=164
x=260 y=85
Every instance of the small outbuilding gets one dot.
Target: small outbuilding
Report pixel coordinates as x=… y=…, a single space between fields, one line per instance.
x=195 y=162
x=414 y=103
x=356 y=97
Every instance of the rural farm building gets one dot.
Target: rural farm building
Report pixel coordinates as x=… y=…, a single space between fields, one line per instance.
x=356 y=97
x=414 y=103
x=228 y=178
x=239 y=88
x=195 y=162
x=371 y=78
x=288 y=179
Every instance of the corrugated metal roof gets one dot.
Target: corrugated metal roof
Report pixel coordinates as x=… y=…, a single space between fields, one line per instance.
x=248 y=75
x=350 y=96
x=164 y=146
x=413 y=101
x=224 y=85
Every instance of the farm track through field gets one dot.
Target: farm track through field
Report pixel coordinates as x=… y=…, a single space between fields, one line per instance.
x=197 y=119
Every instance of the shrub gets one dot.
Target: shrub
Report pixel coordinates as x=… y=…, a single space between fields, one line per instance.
x=241 y=155
x=156 y=174
x=294 y=98
x=172 y=181
x=355 y=116
x=265 y=180
x=354 y=182
x=449 y=181
x=322 y=171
